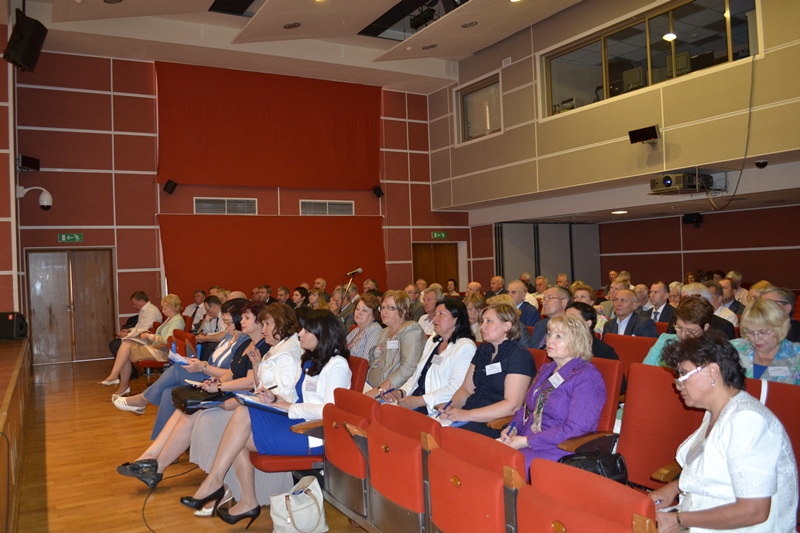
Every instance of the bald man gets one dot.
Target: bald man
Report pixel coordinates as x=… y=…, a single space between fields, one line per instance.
x=496 y=286
x=627 y=322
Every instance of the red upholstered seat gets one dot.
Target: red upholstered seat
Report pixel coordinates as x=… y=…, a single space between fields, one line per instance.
x=629 y=349
x=611 y=371
x=539 y=357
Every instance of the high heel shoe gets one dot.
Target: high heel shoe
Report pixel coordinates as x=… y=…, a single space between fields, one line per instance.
x=227 y=517
x=207 y=512
x=124 y=393
x=199 y=503
x=110 y=382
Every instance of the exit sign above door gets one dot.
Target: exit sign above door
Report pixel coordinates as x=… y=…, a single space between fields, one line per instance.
x=70 y=237
x=438 y=235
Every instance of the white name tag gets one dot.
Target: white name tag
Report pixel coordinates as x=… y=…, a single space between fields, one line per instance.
x=437 y=360
x=393 y=344
x=311 y=385
x=778 y=371
x=494 y=368
x=555 y=380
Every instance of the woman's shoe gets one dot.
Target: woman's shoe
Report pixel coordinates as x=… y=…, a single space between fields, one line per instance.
x=232 y=519
x=207 y=512
x=110 y=382
x=124 y=393
x=149 y=466
x=199 y=503
x=121 y=403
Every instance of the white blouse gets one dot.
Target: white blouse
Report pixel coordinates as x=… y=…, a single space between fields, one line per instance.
x=281 y=366
x=747 y=455
x=318 y=391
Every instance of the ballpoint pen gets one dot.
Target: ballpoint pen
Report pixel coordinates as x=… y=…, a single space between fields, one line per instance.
x=443 y=409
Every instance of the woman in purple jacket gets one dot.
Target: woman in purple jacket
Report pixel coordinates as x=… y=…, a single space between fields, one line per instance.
x=565 y=399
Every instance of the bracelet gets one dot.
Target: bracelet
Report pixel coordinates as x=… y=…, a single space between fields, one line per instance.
x=205 y=366
x=219 y=387
x=402 y=393
x=678 y=519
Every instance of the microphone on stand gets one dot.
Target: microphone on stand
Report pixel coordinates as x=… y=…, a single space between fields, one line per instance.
x=354 y=272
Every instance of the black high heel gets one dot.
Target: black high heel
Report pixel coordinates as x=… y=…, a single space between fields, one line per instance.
x=199 y=503
x=227 y=517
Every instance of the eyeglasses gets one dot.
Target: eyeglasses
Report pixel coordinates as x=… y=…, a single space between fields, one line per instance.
x=679 y=381
x=388 y=308
x=756 y=334
x=550 y=298
x=227 y=322
x=688 y=332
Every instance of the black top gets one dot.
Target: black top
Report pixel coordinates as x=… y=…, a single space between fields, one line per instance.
x=241 y=364
x=514 y=358
x=794 y=331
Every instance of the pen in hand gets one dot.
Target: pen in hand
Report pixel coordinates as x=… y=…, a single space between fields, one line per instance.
x=443 y=409
x=512 y=430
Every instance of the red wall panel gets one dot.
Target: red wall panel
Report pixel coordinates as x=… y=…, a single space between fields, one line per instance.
x=417 y=107
x=395 y=166
x=79 y=199
x=6 y=263
x=394 y=104
x=134 y=114
x=419 y=165
x=7 y=282
x=281 y=250
x=397 y=211
x=75 y=72
x=745 y=229
x=399 y=275
x=137 y=248
x=149 y=282
x=779 y=267
x=63 y=109
x=136 y=200
x=135 y=77
x=59 y=149
x=246 y=128
x=644 y=268
x=422 y=215
x=660 y=234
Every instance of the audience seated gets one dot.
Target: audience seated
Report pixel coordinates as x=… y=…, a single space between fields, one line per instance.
x=370 y=285
x=196 y=310
x=211 y=329
x=741 y=295
x=473 y=287
x=497 y=285
x=417 y=309
x=660 y=310
x=498 y=376
x=555 y=302
x=320 y=284
x=600 y=349
x=720 y=310
x=143 y=321
x=365 y=335
x=395 y=356
x=529 y=315
x=757 y=288
x=565 y=399
x=451 y=291
x=642 y=297
x=763 y=349
x=316 y=299
x=675 y=293
x=698 y=289
x=430 y=296
x=730 y=286
x=627 y=322
x=475 y=302
x=300 y=297
x=692 y=319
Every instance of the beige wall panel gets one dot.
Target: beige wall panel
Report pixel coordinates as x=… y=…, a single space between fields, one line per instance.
x=490 y=59
x=440 y=132
x=603 y=122
x=705 y=143
x=777 y=75
x=599 y=163
x=707 y=95
x=580 y=18
x=441 y=194
x=513 y=145
x=517 y=74
x=500 y=183
x=781 y=20
x=440 y=165
x=518 y=107
x=437 y=103
x=775 y=129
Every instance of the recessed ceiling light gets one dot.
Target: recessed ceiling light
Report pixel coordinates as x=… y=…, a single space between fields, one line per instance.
x=469 y=24
x=513 y=1
x=291 y=26
x=669 y=37
x=429 y=47
x=619 y=212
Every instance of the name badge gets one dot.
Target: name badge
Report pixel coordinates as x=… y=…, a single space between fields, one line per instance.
x=437 y=360
x=494 y=368
x=392 y=344
x=555 y=380
x=310 y=385
x=778 y=371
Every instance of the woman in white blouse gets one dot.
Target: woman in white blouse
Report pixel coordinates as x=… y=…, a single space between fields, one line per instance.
x=739 y=472
x=368 y=328
x=325 y=369
x=444 y=363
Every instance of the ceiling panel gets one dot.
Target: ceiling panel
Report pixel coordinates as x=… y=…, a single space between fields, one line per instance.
x=71 y=10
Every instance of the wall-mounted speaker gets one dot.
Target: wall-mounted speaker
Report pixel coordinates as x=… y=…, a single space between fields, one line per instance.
x=377 y=191
x=646 y=135
x=694 y=219
x=170 y=186
x=25 y=43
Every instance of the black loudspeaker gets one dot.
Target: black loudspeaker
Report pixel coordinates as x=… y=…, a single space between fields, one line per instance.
x=377 y=191
x=643 y=135
x=13 y=326
x=169 y=187
x=25 y=43
x=693 y=218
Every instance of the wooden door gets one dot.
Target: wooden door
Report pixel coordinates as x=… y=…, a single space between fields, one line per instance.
x=50 y=309
x=92 y=302
x=71 y=299
x=435 y=263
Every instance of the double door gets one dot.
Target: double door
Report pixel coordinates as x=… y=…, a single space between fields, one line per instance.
x=71 y=304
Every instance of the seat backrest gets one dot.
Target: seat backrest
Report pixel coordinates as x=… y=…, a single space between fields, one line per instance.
x=191 y=340
x=611 y=370
x=358 y=403
x=178 y=334
x=661 y=327
x=539 y=357
x=481 y=451
x=580 y=500
x=353 y=408
x=654 y=424
x=187 y=323
x=629 y=349
x=359 y=368
x=180 y=345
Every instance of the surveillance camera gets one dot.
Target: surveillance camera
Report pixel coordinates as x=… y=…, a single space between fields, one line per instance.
x=45 y=200
x=762 y=164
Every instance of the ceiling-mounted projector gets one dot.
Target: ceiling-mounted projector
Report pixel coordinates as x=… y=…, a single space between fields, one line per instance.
x=678 y=183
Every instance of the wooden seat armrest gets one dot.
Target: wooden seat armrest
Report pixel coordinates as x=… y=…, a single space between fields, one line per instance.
x=355 y=431
x=621 y=398
x=312 y=428
x=511 y=479
x=666 y=473
x=499 y=423
x=585 y=442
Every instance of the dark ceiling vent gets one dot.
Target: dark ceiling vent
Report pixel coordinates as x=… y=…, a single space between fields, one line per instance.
x=405 y=9
x=230 y=7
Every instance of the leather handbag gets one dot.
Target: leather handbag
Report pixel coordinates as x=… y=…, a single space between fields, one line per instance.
x=609 y=465
x=189 y=399
x=299 y=511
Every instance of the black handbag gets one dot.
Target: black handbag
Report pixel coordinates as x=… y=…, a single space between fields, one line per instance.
x=608 y=465
x=190 y=399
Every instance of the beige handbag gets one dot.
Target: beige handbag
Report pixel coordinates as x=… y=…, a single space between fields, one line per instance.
x=301 y=510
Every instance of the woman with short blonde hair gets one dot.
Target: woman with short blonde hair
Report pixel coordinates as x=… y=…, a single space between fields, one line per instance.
x=763 y=349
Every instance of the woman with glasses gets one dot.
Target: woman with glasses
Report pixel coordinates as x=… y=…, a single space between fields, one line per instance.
x=739 y=472
x=692 y=319
x=763 y=349
x=395 y=356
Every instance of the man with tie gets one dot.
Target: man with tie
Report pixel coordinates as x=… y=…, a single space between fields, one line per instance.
x=627 y=322
x=659 y=297
x=196 y=310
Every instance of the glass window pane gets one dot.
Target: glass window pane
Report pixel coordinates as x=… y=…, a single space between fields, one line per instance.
x=480 y=109
x=660 y=47
x=701 y=36
x=627 y=60
x=744 y=34
x=576 y=78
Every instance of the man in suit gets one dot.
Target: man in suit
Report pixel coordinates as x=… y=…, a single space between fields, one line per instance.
x=517 y=290
x=698 y=289
x=283 y=296
x=555 y=302
x=729 y=286
x=525 y=278
x=497 y=286
x=627 y=322
x=659 y=297
x=416 y=306
x=264 y=294
x=785 y=299
x=612 y=275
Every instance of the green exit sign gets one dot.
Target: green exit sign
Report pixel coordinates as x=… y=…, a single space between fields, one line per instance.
x=70 y=237
x=438 y=235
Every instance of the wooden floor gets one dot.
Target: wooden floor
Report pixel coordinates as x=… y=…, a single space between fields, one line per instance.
x=75 y=438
